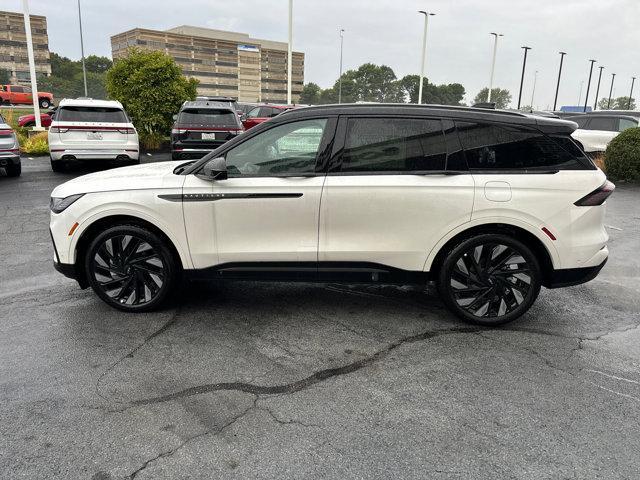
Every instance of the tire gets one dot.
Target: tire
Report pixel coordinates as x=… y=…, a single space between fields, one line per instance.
x=14 y=170
x=58 y=166
x=44 y=103
x=481 y=268
x=175 y=156
x=132 y=277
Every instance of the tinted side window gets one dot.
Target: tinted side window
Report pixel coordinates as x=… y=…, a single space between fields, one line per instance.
x=254 y=113
x=581 y=121
x=625 y=123
x=17 y=89
x=501 y=147
x=608 y=124
x=393 y=145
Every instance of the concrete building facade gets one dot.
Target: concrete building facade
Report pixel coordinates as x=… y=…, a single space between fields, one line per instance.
x=226 y=63
x=13 y=46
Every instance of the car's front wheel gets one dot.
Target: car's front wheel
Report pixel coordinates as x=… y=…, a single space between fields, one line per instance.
x=490 y=279
x=131 y=268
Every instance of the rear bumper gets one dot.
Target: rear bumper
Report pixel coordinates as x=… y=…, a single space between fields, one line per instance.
x=94 y=154
x=7 y=159
x=567 y=277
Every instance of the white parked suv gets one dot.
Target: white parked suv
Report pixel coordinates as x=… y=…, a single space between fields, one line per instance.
x=490 y=205
x=86 y=129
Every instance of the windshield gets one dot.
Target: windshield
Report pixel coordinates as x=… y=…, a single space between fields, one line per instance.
x=91 y=114
x=208 y=117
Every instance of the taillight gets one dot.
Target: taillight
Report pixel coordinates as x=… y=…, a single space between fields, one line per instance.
x=129 y=131
x=58 y=130
x=598 y=196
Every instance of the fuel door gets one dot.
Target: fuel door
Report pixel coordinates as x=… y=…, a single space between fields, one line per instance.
x=497 y=191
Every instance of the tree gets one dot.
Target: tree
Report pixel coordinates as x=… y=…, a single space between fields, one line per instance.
x=151 y=87
x=310 y=94
x=96 y=64
x=501 y=97
x=620 y=103
x=451 y=94
x=5 y=76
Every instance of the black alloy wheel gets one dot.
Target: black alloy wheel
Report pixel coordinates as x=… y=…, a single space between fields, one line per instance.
x=130 y=268
x=491 y=279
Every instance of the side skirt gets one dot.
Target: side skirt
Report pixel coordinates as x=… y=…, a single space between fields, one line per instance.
x=322 y=272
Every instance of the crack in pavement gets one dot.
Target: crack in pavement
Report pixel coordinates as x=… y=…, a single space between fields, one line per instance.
x=302 y=384
x=171 y=452
x=168 y=324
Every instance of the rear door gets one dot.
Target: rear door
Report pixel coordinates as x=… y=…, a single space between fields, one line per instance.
x=89 y=127
x=394 y=188
x=20 y=95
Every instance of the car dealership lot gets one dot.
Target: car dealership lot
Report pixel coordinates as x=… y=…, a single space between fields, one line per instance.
x=248 y=380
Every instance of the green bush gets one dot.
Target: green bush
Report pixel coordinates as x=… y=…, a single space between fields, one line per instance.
x=151 y=141
x=622 y=158
x=35 y=145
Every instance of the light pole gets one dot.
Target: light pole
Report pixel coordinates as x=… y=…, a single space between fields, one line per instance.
x=424 y=51
x=586 y=98
x=289 y=52
x=633 y=81
x=595 y=104
x=84 y=71
x=524 y=66
x=613 y=77
x=580 y=94
x=493 y=63
x=533 y=91
x=32 y=64
x=340 y=77
x=555 y=101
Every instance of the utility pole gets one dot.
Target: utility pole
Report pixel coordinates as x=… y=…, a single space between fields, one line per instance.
x=586 y=98
x=84 y=70
x=633 y=81
x=289 y=52
x=555 y=101
x=524 y=66
x=424 y=51
x=595 y=104
x=580 y=94
x=32 y=65
x=340 y=77
x=613 y=77
x=493 y=63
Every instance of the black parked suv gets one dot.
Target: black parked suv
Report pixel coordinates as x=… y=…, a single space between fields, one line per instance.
x=202 y=126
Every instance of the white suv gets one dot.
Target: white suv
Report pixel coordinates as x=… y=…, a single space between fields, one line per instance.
x=86 y=129
x=489 y=205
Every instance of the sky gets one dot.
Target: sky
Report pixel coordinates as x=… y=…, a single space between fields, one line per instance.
x=389 y=32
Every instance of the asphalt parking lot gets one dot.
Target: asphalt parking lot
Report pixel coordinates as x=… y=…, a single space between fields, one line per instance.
x=248 y=380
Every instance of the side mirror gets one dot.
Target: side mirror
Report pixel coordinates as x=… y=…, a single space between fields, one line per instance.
x=215 y=169
x=243 y=117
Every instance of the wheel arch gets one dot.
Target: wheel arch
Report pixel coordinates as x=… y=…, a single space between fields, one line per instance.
x=535 y=243
x=101 y=224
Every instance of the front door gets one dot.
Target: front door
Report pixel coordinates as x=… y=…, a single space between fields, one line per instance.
x=268 y=208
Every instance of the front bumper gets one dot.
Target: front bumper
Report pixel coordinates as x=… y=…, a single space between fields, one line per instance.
x=567 y=277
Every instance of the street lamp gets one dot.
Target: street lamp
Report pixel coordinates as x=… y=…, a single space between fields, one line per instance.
x=493 y=63
x=595 y=104
x=555 y=101
x=32 y=64
x=613 y=77
x=84 y=71
x=524 y=65
x=289 y=52
x=580 y=94
x=424 y=50
x=340 y=77
x=633 y=81
x=586 y=98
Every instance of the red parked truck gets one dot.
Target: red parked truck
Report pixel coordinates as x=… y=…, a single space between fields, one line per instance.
x=19 y=95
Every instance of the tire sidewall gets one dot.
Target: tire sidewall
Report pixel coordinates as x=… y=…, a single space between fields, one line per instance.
x=44 y=103
x=444 y=278
x=159 y=246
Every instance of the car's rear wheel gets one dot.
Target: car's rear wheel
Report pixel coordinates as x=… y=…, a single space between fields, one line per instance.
x=14 y=170
x=490 y=279
x=44 y=103
x=58 y=165
x=131 y=268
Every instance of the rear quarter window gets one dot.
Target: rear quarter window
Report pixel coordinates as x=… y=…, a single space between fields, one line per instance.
x=505 y=147
x=91 y=114
x=208 y=117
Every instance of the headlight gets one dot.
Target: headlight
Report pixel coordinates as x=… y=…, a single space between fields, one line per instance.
x=59 y=205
